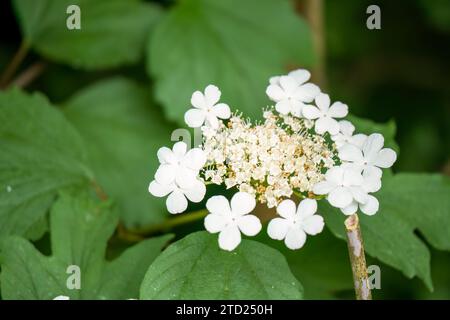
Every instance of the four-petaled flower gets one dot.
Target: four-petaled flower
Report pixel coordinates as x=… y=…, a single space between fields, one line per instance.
x=291 y=92
x=324 y=114
x=295 y=223
x=230 y=219
x=372 y=155
x=206 y=108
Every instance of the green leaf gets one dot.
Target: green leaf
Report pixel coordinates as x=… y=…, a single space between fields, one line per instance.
x=408 y=203
x=40 y=153
x=123 y=131
x=195 y=268
x=80 y=229
x=112 y=33
x=236 y=45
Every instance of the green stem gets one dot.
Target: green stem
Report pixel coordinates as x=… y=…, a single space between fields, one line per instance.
x=14 y=64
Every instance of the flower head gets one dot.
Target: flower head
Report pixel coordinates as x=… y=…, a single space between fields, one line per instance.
x=230 y=219
x=295 y=223
x=324 y=114
x=206 y=108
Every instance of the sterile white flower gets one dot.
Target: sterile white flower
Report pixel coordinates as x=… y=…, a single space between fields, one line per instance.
x=343 y=185
x=291 y=92
x=176 y=202
x=324 y=114
x=371 y=155
x=179 y=166
x=295 y=223
x=232 y=218
x=206 y=108
x=345 y=135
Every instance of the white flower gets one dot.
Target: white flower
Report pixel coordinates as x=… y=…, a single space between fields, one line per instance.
x=176 y=202
x=325 y=114
x=372 y=155
x=61 y=298
x=345 y=135
x=179 y=166
x=343 y=185
x=291 y=92
x=295 y=223
x=206 y=108
x=230 y=221
x=371 y=183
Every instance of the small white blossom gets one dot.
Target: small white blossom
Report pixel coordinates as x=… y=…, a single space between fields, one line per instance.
x=291 y=92
x=295 y=223
x=372 y=155
x=324 y=114
x=179 y=166
x=232 y=218
x=176 y=202
x=343 y=185
x=206 y=108
x=61 y=298
x=345 y=135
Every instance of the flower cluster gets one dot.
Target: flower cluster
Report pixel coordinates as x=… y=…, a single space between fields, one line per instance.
x=302 y=148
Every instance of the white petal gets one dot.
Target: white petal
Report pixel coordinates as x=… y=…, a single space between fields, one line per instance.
x=196 y=192
x=295 y=238
x=338 y=110
x=300 y=75
x=194 y=118
x=352 y=177
x=372 y=179
x=289 y=84
x=385 y=158
x=166 y=156
x=307 y=208
x=274 y=80
x=166 y=174
x=359 y=194
x=372 y=146
x=221 y=110
x=160 y=190
x=212 y=95
x=185 y=177
x=275 y=93
x=242 y=203
x=358 y=140
x=176 y=202
x=323 y=187
x=61 y=298
x=313 y=225
x=311 y=112
x=287 y=209
x=283 y=106
x=297 y=108
x=307 y=92
x=326 y=124
x=229 y=238
x=350 y=152
x=335 y=175
x=194 y=159
x=371 y=206
x=214 y=223
x=219 y=205
x=346 y=127
x=323 y=102
x=198 y=100
x=278 y=228
x=249 y=225
x=179 y=149
x=212 y=120
x=350 y=209
x=340 y=197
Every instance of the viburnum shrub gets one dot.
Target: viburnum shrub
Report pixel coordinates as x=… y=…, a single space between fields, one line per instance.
x=303 y=147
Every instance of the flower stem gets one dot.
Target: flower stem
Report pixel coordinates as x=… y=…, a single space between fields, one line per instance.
x=14 y=64
x=357 y=258
x=140 y=233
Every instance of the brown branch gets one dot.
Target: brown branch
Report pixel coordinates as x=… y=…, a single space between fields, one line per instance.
x=357 y=258
x=15 y=62
x=30 y=74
